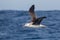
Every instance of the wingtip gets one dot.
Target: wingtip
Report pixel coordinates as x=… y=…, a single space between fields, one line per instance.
x=32 y=8
x=44 y=17
x=33 y=5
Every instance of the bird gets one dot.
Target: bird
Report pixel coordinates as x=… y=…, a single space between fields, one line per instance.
x=34 y=20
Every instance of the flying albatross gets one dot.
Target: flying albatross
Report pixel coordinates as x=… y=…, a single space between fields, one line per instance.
x=35 y=21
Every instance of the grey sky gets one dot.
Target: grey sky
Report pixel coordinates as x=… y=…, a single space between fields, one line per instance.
x=25 y=4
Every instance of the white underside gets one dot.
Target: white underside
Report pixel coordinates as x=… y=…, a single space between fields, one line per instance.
x=30 y=25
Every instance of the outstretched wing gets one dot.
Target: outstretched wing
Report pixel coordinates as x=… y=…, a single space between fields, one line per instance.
x=38 y=20
x=32 y=13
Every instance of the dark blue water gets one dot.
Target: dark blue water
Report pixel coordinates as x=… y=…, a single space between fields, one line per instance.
x=12 y=26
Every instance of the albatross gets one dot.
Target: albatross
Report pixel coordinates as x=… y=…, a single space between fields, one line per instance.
x=35 y=22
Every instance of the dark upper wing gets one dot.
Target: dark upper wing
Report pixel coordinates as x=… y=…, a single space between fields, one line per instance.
x=32 y=13
x=38 y=20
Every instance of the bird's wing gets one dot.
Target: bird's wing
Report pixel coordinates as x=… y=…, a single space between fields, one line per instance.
x=32 y=13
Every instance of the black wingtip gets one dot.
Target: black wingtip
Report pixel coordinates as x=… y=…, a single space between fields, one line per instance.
x=44 y=17
x=33 y=5
x=32 y=8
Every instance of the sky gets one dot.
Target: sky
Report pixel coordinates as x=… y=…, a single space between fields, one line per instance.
x=26 y=4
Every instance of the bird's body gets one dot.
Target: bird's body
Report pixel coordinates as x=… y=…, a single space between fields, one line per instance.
x=35 y=26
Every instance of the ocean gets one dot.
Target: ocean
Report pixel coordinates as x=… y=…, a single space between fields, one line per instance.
x=12 y=25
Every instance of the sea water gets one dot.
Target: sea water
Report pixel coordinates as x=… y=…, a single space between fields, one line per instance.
x=12 y=25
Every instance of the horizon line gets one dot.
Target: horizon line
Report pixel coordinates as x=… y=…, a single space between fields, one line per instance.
x=27 y=10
